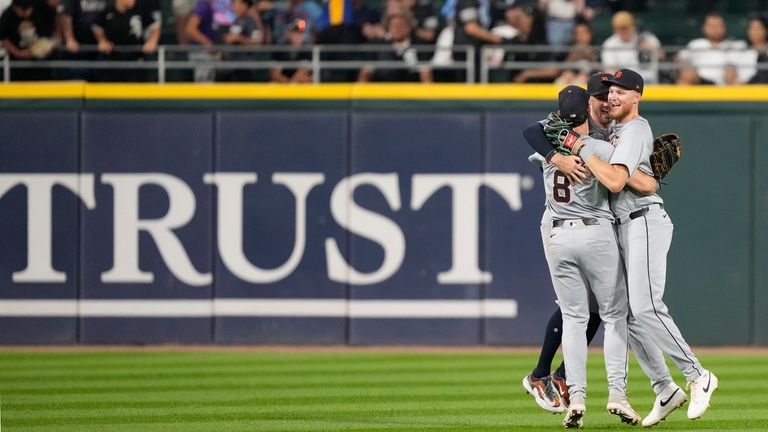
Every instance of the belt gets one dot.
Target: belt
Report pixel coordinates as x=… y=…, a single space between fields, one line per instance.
x=641 y=212
x=586 y=221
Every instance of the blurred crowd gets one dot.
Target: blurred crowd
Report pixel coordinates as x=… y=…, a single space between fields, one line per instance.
x=533 y=40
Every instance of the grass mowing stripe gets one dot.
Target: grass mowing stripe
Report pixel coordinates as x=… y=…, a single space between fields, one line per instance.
x=188 y=391
x=131 y=373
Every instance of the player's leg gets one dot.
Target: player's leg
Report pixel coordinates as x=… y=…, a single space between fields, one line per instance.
x=606 y=278
x=571 y=289
x=539 y=382
x=645 y=244
x=669 y=396
x=559 y=376
x=552 y=340
x=646 y=241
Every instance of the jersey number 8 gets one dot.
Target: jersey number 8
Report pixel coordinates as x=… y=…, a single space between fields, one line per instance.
x=561 y=190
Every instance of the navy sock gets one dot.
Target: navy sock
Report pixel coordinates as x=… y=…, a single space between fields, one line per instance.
x=592 y=326
x=552 y=339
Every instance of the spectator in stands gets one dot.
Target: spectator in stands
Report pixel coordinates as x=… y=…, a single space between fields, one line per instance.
x=294 y=37
x=705 y=59
x=26 y=31
x=286 y=13
x=208 y=20
x=151 y=8
x=759 y=27
x=400 y=37
x=341 y=23
x=365 y=16
x=425 y=22
x=124 y=25
x=561 y=18
x=426 y=18
x=473 y=20
x=77 y=18
x=376 y=31
x=244 y=31
x=337 y=24
x=628 y=48
x=581 y=52
x=530 y=23
x=182 y=10
x=742 y=64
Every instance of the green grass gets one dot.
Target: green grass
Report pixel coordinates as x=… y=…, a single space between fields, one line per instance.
x=346 y=391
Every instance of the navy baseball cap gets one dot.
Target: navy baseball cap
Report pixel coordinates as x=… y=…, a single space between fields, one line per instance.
x=572 y=104
x=595 y=86
x=628 y=79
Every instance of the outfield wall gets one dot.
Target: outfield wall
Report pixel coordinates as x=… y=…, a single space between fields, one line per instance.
x=339 y=214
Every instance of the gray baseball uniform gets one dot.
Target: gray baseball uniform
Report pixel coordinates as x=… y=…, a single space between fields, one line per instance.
x=645 y=234
x=648 y=355
x=583 y=255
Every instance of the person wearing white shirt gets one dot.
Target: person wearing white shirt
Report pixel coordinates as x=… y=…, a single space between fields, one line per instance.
x=708 y=56
x=628 y=48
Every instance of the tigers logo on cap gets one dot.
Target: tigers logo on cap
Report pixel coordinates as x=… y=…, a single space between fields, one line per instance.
x=628 y=79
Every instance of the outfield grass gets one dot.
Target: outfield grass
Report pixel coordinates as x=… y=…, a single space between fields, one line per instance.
x=346 y=391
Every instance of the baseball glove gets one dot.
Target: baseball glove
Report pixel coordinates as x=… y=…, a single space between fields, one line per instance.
x=559 y=133
x=667 y=150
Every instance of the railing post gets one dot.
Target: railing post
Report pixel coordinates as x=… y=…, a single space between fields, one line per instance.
x=6 y=68
x=161 y=64
x=316 y=64
x=483 y=66
x=471 y=64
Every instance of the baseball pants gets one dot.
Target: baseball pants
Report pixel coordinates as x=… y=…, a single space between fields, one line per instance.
x=645 y=241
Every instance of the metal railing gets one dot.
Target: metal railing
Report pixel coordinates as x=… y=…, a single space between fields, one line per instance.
x=319 y=58
x=227 y=57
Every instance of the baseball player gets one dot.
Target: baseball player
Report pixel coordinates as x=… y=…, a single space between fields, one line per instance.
x=649 y=356
x=550 y=390
x=645 y=233
x=582 y=231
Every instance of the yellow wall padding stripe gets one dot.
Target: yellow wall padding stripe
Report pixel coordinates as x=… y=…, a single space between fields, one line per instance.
x=53 y=90
x=548 y=92
x=216 y=91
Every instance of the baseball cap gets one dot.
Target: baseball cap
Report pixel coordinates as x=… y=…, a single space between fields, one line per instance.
x=572 y=104
x=628 y=79
x=595 y=84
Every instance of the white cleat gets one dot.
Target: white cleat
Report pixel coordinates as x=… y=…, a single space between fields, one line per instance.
x=574 y=417
x=701 y=392
x=672 y=398
x=619 y=406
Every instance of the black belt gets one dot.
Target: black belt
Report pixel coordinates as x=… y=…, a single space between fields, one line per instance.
x=586 y=221
x=641 y=212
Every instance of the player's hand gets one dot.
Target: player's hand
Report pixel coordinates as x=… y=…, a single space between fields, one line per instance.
x=571 y=166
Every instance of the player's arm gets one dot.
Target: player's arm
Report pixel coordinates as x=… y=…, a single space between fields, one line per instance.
x=643 y=183
x=613 y=177
x=569 y=165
